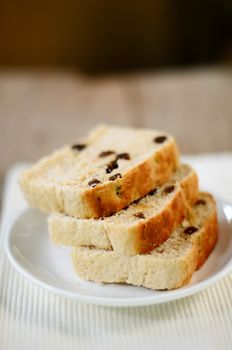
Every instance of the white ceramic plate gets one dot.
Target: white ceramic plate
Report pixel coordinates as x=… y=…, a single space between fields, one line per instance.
x=30 y=250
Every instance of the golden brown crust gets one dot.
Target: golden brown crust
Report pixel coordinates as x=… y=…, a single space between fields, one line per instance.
x=190 y=187
x=206 y=243
x=109 y=198
x=156 y=230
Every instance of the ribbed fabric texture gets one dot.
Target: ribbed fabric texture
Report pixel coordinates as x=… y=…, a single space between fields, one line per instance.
x=32 y=318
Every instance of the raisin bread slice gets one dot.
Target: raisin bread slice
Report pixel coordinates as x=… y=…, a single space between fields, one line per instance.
x=137 y=229
x=104 y=173
x=169 y=266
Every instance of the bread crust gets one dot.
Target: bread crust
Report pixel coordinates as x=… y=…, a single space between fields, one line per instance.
x=151 y=233
x=139 y=238
x=103 y=199
x=206 y=243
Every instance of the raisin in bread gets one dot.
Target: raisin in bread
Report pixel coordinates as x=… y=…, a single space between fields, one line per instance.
x=137 y=229
x=104 y=173
x=169 y=266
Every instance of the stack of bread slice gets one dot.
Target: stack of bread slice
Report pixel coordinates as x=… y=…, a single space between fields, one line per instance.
x=132 y=213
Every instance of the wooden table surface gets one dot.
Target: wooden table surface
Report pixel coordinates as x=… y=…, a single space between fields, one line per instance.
x=41 y=110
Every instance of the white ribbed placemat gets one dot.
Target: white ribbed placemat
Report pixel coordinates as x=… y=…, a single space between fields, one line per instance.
x=32 y=318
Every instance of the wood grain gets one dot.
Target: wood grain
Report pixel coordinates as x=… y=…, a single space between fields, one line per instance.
x=41 y=110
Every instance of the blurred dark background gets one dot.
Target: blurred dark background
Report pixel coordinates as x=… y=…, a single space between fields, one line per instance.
x=66 y=66
x=115 y=36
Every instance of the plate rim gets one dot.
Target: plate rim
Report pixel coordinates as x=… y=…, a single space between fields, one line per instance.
x=175 y=294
